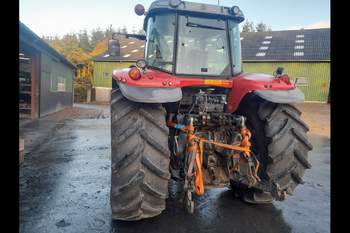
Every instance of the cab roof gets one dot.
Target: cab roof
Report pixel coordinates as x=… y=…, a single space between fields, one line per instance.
x=192 y=8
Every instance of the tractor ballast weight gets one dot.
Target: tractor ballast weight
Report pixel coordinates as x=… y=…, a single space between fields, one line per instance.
x=189 y=112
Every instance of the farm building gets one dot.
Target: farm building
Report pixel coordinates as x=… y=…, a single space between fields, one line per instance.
x=304 y=54
x=130 y=50
x=45 y=77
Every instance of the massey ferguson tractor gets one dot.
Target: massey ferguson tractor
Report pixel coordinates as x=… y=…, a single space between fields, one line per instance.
x=188 y=112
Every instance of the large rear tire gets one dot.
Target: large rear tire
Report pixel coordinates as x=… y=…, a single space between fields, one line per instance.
x=140 y=159
x=279 y=140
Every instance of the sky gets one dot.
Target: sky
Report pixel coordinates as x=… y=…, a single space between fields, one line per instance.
x=58 y=17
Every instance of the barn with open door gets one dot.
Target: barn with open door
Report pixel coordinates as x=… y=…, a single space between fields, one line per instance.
x=45 y=77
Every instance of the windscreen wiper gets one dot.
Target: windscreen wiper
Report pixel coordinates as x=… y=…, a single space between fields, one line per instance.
x=196 y=25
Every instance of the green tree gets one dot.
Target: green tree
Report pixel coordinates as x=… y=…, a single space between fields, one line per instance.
x=124 y=30
x=141 y=32
x=97 y=35
x=261 y=27
x=84 y=41
x=248 y=27
x=109 y=31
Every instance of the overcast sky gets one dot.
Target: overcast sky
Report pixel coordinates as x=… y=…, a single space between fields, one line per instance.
x=57 y=17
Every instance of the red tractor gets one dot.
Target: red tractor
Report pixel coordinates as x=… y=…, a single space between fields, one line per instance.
x=188 y=112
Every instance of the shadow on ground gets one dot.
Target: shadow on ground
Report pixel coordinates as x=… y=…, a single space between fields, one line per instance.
x=217 y=211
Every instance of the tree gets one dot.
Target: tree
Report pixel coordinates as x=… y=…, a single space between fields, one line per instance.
x=248 y=27
x=109 y=31
x=133 y=30
x=84 y=42
x=96 y=35
x=141 y=32
x=69 y=47
x=261 y=27
x=124 y=30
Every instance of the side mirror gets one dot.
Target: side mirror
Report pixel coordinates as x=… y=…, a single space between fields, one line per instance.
x=279 y=71
x=113 y=47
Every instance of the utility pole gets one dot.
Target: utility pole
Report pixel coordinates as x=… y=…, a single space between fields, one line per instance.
x=218 y=2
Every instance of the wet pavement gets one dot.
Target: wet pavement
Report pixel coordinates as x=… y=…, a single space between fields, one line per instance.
x=64 y=187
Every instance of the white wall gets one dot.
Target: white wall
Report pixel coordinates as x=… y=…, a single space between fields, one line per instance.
x=103 y=94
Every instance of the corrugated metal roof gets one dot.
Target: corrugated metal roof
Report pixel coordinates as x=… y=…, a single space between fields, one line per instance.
x=131 y=49
x=292 y=45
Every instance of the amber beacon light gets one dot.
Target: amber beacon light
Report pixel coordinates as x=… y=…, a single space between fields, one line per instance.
x=134 y=73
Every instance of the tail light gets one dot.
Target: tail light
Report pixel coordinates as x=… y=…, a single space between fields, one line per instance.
x=134 y=73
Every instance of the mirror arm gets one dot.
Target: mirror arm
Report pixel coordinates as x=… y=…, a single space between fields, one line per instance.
x=136 y=36
x=127 y=35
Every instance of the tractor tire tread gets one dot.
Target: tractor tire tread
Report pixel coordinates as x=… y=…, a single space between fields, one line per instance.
x=280 y=140
x=140 y=159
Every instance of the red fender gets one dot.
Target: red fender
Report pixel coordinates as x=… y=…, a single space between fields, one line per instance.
x=240 y=85
x=246 y=83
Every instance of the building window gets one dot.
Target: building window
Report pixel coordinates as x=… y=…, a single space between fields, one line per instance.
x=58 y=84
x=106 y=75
x=61 y=84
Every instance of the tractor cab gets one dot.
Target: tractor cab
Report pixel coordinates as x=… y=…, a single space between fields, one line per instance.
x=192 y=39
x=196 y=39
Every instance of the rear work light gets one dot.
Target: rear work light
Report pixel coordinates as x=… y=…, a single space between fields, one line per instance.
x=134 y=73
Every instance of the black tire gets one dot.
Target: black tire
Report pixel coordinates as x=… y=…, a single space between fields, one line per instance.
x=140 y=159
x=279 y=140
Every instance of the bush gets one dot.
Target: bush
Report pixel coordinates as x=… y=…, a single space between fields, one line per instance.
x=80 y=92
x=81 y=86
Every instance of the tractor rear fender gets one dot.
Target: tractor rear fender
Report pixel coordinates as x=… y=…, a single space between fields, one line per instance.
x=276 y=90
x=155 y=86
x=150 y=95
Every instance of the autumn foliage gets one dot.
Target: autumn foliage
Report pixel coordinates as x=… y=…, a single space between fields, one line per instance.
x=80 y=49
